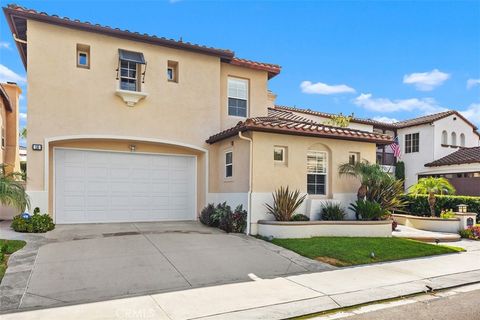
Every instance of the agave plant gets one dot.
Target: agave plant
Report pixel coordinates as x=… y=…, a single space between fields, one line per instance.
x=387 y=192
x=285 y=203
x=12 y=192
x=432 y=186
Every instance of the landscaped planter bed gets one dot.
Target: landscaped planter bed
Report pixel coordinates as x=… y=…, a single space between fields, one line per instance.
x=452 y=225
x=307 y=229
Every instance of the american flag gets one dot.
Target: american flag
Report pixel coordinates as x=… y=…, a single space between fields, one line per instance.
x=396 y=148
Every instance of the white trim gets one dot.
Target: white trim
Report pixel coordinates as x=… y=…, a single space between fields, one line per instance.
x=47 y=142
x=54 y=214
x=227 y=178
x=318 y=195
x=247 y=100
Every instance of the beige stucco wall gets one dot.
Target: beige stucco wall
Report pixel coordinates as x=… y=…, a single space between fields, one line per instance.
x=241 y=166
x=12 y=156
x=140 y=147
x=68 y=101
x=267 y=176
x=3 y=120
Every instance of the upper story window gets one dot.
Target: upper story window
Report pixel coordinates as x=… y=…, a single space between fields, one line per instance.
x=83 y=56
x=412 y=142
x=317 y=172
x=172 y=71
x=444 y=138
x=237 y=97
x=454 y=139
x=228 y=164
x=130 y=66
x=462 y=140
x=280 y=155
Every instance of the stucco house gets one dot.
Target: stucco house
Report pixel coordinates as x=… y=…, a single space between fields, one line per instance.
x=9 y=144
x=143 y=128
x=441 y=144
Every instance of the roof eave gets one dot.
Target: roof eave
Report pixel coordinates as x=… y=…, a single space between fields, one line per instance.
x=227 y=135
x=9 y=13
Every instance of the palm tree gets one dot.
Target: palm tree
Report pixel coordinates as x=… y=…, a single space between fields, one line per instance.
x=367 y=173
x=432 y=186
x=12 y=192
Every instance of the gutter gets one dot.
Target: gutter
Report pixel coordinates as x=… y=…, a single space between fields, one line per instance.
x=249 y=196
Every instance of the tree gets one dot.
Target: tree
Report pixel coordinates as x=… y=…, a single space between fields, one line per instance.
x=12 y=192
x=432 y=186
x=339 y=120
x=367 y=173
x=23 y=133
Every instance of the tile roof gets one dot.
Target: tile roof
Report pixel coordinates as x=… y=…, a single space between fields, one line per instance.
x=383 y=125
x=281 y=125
x=5 y=98
x=461 y=156
x=17 y=16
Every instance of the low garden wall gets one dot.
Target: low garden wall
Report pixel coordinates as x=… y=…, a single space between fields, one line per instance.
x=307 y=229
x=452 y=225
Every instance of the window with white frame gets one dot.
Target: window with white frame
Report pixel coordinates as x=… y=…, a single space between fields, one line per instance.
x=130 y=69
x=280 y=155
x=317 y=172
x=353 y=157
x=412 y=142
x=228 y=164
x=444 y=138
x=83 y=56
x=454 y=139
x=237 y=97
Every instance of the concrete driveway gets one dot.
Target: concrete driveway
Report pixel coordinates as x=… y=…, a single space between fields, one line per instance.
x=103 y=261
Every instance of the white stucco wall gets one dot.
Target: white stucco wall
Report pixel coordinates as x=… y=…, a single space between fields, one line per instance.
x=415 y=162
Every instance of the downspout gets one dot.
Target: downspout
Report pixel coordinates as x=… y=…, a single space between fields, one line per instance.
x=249 y=195
x=18 y=39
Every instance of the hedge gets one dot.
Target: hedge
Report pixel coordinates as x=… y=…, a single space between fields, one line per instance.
x=419 y=205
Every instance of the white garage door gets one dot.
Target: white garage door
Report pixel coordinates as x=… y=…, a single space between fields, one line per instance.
x=94 y=186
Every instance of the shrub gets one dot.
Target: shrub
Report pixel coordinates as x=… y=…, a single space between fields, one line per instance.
x=239 y=220
x=419 y=205
x=332 y=211
x=222 y=217
x=368 y=210
x=285 y=203
x=471 y=233
x=37 y=223
x=400 y=170
x=299 y=217
x=206 y=216
x=394 y=225
x=387 y=192
x=447 y=214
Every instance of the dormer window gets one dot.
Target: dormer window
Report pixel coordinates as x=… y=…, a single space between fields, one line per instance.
x=130 y=65
x=131 y=74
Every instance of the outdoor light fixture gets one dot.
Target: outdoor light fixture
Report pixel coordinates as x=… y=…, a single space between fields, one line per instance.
x=132 y=147
x=462 y=208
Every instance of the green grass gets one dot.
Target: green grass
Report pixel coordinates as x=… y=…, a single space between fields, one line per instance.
x=7 y=247
x=342 y=251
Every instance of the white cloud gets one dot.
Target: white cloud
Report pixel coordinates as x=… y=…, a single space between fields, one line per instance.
x=426 y=81
x=22 y=115
x=8 y=75
x=325 y=89
x=4 y=45
x=472 y=113
x=472 y=83
x=426 y=105
x=385 y=119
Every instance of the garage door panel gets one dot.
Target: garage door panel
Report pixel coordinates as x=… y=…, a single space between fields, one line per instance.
x=93 y=186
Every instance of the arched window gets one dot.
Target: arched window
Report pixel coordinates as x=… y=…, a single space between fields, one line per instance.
x=462 y=140
x=454 y=139
x=444 y=137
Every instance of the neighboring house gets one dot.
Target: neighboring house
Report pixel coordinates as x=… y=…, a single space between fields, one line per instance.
x=422 y=141
x=9 y=95
x=461 y=167
x=9 y=154
x=141 y=128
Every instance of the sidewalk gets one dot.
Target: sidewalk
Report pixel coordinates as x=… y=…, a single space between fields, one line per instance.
x=285 y=297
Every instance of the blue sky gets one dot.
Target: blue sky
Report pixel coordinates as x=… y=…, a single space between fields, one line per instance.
x=395 y=60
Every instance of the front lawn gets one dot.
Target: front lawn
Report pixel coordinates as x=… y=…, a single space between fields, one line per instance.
x=340 y=251
x=7 y=247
